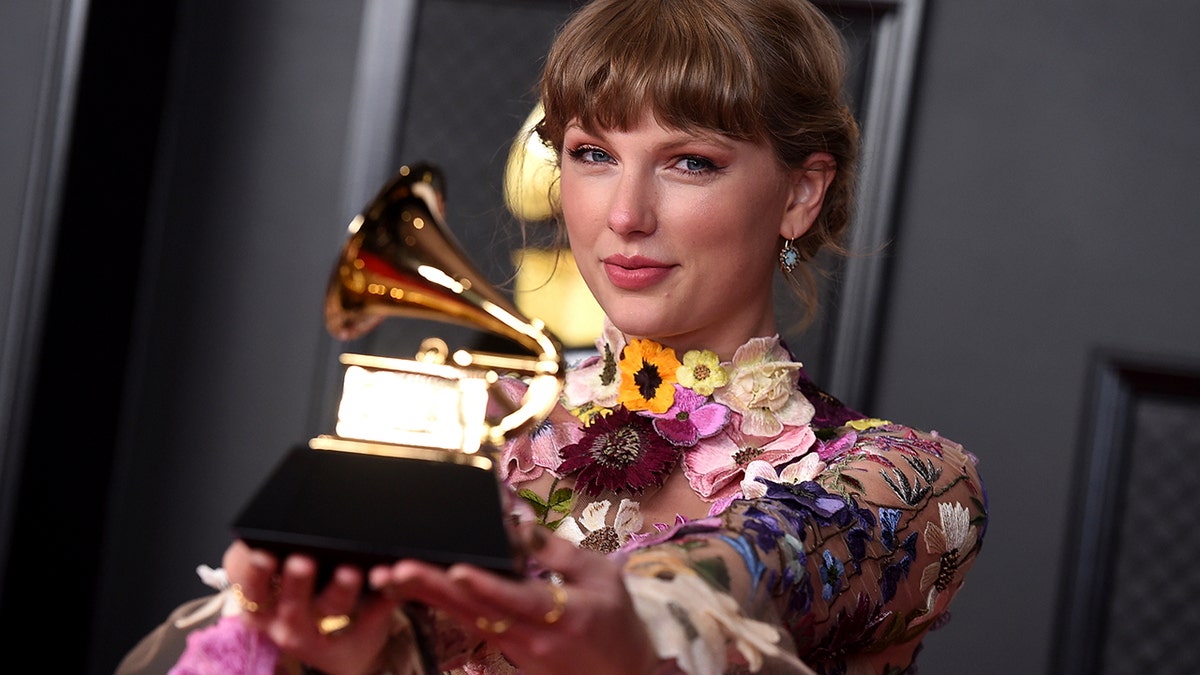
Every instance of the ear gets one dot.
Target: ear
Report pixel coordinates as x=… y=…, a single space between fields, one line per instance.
x=807 y=193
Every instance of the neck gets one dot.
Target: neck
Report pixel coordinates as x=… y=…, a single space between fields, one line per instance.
x=724 y=345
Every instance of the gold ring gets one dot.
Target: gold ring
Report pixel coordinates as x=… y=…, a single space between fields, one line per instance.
x=494 y=627
x=328 y=625
x=245 y=603
x=560 y=603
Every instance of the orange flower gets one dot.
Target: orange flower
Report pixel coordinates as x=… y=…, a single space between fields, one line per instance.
x=647 y=376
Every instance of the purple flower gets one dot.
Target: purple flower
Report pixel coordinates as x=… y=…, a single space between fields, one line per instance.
x=690 y=418
x=831 y=570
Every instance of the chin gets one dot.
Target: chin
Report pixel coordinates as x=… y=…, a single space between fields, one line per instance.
x=642 y=323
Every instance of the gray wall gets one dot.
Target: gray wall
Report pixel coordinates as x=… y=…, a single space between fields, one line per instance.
x=1048 y=208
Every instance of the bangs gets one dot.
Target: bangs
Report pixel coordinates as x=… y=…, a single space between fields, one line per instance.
x=687 y=69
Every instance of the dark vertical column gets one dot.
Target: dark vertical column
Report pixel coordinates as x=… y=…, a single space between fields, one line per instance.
x=53 y=566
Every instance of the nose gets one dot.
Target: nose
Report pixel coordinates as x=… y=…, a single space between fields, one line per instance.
x=632 y=208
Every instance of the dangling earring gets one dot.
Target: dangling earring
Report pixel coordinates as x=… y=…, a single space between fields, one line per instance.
x=789 y=257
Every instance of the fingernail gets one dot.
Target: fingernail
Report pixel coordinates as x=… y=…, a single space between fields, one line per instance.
x=261 y=560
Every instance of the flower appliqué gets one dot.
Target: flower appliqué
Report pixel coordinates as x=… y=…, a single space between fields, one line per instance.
x=690 y=418
x=527 y=456
x=230 y=646
x=647 y=376
x=591 y=530
x=619 y=451
x=719 y=416
x=595 y=382
x=715 y=468
x=805 y=469
x=762 y=389
x=951 y=541
x=702 y=372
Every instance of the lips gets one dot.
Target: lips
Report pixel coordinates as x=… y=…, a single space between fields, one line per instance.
x=635 y=273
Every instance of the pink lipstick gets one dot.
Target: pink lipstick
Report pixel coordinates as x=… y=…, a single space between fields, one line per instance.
x=635 y=273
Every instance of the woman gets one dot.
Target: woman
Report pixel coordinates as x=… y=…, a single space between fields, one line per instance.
x=704 y=508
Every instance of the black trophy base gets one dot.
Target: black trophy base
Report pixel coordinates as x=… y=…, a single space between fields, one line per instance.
x=343 y=507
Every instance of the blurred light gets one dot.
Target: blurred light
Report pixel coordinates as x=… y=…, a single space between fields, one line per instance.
x=548 y=286
x=531 y=174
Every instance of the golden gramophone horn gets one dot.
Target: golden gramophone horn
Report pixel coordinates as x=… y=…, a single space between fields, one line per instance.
x=400 y=259
x=409 y=431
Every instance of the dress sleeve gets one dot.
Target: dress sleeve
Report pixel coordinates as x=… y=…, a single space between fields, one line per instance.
x=846 y=569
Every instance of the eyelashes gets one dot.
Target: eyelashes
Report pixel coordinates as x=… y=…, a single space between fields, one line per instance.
x=696 y=164
x=690 y=165
x=589 y=154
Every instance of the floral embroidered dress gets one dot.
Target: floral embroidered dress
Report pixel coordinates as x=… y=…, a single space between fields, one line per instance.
x=757 y=519
x=761 y=525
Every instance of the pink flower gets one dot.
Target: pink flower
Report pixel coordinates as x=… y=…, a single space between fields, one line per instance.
x=527 y=456
x=837 y=446
x=597 y=380
x=229 y=646
x=690 y=418
x=715 y=467
x=762 y=388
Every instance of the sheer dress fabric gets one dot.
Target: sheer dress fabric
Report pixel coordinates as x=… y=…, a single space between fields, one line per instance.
x=833 y=546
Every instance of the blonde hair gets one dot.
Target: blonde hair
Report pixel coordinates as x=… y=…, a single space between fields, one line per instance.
x=754 y=70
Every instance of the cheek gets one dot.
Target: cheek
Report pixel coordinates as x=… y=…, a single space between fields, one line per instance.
x=579 y=234
x=577 y=217
x=737 y=231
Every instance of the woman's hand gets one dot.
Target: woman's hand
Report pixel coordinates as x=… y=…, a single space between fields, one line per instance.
x=286 y=605
x=586 y=623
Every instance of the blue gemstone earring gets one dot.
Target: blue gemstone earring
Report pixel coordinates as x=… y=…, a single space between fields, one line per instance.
x=789 y=257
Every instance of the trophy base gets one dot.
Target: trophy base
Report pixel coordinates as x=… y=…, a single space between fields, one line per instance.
x=364 y=510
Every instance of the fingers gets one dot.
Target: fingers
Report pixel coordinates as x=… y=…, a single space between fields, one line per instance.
x=542 y=625
x=301 y=608
x=252 y=575
x=414 y=580
x=294 y=605
x=341 y=594
x=559 y=555
x=334 y=628
x=285 y=600
x=487 y=603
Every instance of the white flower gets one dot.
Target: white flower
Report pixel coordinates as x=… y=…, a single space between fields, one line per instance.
x=595 y=534
x=808 y=468
x=692 y=622
x=222 y=603
x=951 y=540
x=762 y=388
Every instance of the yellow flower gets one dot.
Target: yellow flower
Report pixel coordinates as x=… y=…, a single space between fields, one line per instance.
x=702 y=372
x=868 y=423
x=589 y=412
x=647 y=376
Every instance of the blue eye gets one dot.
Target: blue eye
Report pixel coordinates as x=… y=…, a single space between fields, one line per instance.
x=695 y=164
x=590 y=155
